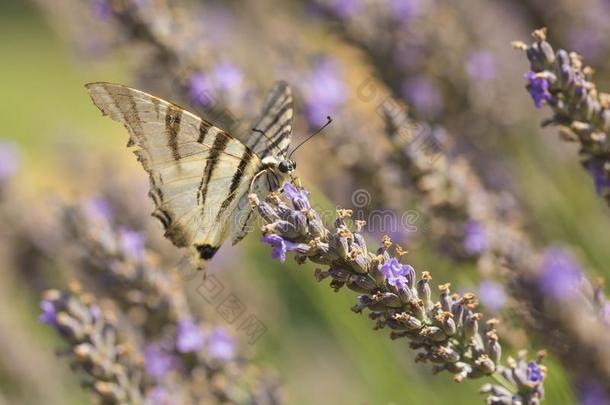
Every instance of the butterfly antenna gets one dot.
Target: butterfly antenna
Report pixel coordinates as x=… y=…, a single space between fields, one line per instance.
x=329 y=120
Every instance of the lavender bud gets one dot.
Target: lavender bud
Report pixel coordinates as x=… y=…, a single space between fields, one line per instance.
x=423 y=289
x=471 y=324
x=406 y=321
x=445 y=299
x=364 y=284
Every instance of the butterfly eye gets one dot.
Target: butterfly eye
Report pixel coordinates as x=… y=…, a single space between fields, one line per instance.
x=284 y=166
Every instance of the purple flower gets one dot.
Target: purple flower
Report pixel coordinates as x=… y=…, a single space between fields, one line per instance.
x=405 y=10
x=538 y=88
x=280 y=246
x=492 y=295
x=97 y=209
x=9 y=160
x=190 y=337
x=345 y=8
x=227 y=76
x=397 y=274
x=475 y=238
x=297 y=196
x=560 y=274
x=534 y=374
x=159 y=396
x=592 y=394
x=604 y=313
x=481 y=66
x=132 y=244
x=201 y=90
x=325 y=91
x=101 y=9
x=48 y=315
x=600 y=178
x=423 y=94
x=221 y=345
x=589 y=41
x=157 y=361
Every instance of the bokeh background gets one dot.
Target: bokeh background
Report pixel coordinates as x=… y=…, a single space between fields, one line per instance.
x=459 y=74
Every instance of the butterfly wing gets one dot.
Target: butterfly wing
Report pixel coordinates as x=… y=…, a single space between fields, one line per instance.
x=276 y=122
x=198 y=172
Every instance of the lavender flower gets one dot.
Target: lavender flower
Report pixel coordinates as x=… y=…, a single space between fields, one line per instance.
x=325 y=91
x=345 y=8
x=492 y=295
x=560 y=274
x=48 y=315
x=476 y=240
x=592 y=394
x=132 y=244
x=538 y=88
x=481 y=66
x=189 y=337
x=396 y=273
x=601 y=180
x=221 y=345
x=298 y=196
x=446 y=332
x=201 y=89
x=280 y=246
x=423 y=94
x=229 y=78
x=158 y=362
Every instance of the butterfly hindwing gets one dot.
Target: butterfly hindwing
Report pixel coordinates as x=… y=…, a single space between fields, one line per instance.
x=198 y=172
x=276 y=123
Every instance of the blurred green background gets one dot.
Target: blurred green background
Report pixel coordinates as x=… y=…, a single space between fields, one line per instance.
x=323 y=352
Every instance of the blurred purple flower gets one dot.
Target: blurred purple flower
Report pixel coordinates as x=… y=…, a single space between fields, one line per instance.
x=345 y=8
x=589 y=41
x=325 y=91
x=227 y=76
x=223 y=79
x=159 y=396
x=101 y=9
x=423 y=94
x=405 y=10
x=132 y=244
x=48 y=315
x=560 y=273
x=600 y=178
x=9 y=159
x=157 y=361
x=396 y=273
x=481 y=66
x=604 y=313
x=492 y=295
x=538 y=88
x=221 y=345
x=476 y=240
x=201 y=89
x=189 y=337
x=297 y=196
x=97 y=209
x=280 y=246
x=592 y=394
x=534 y=374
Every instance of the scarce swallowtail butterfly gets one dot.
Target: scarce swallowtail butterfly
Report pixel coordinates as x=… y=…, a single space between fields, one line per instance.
x=200 y=175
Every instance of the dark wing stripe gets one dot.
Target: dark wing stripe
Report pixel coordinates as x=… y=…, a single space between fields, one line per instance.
x=172 y=127
x=220 y=143
x=131 y=116
x=235 y=182
x=276 y=118
x=204 y=127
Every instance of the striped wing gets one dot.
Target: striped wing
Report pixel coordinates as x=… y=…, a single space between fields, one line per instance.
x=198 y=173
x=276 y=122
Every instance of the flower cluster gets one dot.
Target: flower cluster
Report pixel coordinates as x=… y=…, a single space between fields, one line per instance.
x=562 y=80
x=447 y=331
x=150 y=346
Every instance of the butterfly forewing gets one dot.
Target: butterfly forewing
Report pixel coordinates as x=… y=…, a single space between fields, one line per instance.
x=198 y=172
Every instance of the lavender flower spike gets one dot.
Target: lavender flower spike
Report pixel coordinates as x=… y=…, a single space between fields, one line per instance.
x=447 y=333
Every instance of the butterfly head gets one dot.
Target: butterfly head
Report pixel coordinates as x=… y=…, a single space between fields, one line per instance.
x=287 y=166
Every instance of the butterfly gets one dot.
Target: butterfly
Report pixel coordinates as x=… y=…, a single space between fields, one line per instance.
x=200 y=175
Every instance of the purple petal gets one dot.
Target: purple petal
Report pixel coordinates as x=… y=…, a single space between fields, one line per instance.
x=189 y=337
x=221 y=345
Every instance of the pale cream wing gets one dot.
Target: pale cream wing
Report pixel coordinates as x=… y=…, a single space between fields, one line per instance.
x=198 y=173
